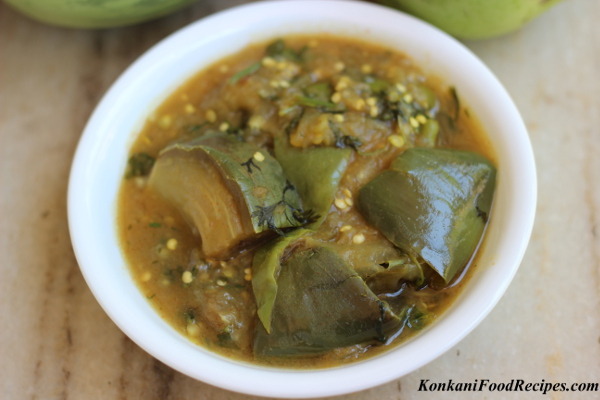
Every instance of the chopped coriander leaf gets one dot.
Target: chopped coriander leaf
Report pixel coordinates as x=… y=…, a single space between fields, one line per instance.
x=293 y=124
x=275 y=48
x=347 y=141
x=319 y=90
x=249 y=70
x=139 y=164
x=316 y=103
x=455 y=100
x=377 y=86
x=189 y=314
x=318 y=95
x=195 y=128
x=224 y=337
x=342 y=141
x=278 y=49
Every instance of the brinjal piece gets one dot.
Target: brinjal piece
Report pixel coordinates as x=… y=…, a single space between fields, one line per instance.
x=266 y=266
x=224 y=310
x=229 y=190
x=381 y=265
x=322 y=304
x=315 y=172
x=391 y=275
x=432 y=203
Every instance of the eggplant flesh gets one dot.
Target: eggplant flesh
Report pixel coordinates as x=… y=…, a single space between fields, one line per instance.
x=230 y=191
x=432 y=203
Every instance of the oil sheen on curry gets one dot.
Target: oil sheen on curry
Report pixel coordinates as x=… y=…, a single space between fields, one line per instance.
x=307 y=202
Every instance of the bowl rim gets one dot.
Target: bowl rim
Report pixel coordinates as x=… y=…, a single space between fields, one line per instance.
x=92 y=186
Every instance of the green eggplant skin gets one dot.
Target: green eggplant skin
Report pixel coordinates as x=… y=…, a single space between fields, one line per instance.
x=244 y=171
x=266 y=265
x=322 y=304
x=229 y=190
x=432 y=203
x=315 y=172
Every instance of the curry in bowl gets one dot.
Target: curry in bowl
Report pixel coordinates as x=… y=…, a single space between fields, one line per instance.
x=306 y=202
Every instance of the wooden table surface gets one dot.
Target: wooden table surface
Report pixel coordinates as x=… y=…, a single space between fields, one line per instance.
x=57 y=343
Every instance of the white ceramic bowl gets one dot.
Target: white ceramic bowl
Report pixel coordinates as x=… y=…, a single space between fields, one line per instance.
x=102 y=154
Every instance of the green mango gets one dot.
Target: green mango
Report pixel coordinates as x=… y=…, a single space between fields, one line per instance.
x=93 y=14
x=474 y=19
x=432 y=203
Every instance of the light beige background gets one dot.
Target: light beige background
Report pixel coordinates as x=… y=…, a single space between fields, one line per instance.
x=57 y=343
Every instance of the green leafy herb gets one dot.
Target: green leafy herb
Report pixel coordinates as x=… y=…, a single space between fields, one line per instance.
x=455 y=101
x=266 y=217
x=189 y=314
x=224 y=338
x=195 y=128
x=424 y=99
x=291 y=127
x=299 y=217
x=278 y=49
x=324 y=105
x=388 y=109
x=316 y=103
x=318 y=95
x=377 y=86
x=319 y=90
x=139 y=164
x=154 y=224
x=249 y=164
x=343 y=141
x=416 y=319
x=249 y=70
x=305 y=217
x=173 y=274
x=347 y=141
